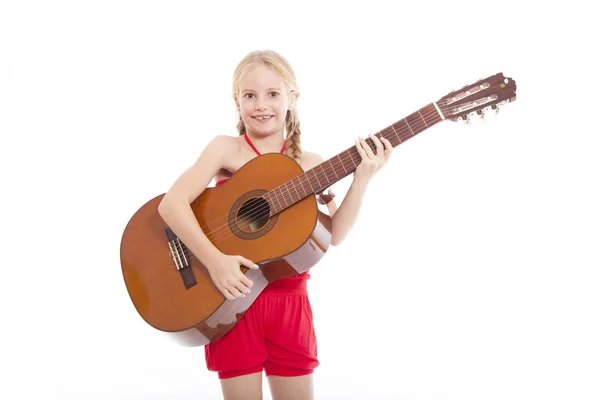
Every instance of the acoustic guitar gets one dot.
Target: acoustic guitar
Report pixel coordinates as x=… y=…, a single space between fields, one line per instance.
x=267 y=212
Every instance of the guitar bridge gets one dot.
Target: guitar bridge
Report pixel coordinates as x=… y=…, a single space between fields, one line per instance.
x=179 y=253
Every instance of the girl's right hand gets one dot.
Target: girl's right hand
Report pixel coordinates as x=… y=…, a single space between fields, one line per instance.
x=228 y=278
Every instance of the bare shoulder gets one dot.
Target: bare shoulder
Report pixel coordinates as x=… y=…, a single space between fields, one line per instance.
x=214 y=157
x=223 y=142
x=224 y=145
x=310 y=160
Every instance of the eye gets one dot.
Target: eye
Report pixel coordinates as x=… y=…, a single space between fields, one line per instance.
x=273 y=94
x=248 y=95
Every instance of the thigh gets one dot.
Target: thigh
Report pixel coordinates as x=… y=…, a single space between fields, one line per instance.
x=292 y=388
x=291 y=341
x=245 y=387
x=242 y=350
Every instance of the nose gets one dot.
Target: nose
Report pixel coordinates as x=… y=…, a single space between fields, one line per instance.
x=259 y=104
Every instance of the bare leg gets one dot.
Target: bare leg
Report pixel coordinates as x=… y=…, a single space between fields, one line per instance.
x=291 y=388
x=244 y=387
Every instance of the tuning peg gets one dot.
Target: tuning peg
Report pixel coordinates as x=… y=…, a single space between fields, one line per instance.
x=464 y=118
x=481 y=114
x=495 y=108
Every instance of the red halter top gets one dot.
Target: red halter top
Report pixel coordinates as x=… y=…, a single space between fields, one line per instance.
x=303 y=275
x=255 y=150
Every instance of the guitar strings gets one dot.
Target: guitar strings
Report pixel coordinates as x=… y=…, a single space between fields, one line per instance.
x=263 y=210
x=332 y=166
x=221 y=233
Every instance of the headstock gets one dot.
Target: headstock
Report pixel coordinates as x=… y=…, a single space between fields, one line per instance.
x=488 y=93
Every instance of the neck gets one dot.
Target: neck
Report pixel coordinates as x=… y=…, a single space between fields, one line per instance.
x=324 y=175
x=270 y=143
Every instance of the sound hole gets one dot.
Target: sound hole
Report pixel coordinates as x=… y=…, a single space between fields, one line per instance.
x=253 y=215
x=249 y=216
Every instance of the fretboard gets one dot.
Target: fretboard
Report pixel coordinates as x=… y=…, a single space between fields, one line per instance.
x=319 y=178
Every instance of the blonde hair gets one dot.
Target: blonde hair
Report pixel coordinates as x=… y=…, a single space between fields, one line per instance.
x=280 y=66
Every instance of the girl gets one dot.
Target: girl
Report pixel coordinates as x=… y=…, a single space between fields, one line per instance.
x=276 y=333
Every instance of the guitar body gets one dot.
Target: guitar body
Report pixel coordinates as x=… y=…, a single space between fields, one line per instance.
x=171 y=289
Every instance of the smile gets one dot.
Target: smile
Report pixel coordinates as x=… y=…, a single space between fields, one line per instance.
x=263 y=118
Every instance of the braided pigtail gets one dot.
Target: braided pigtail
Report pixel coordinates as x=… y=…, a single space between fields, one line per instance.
x=293 y=143
x=241 y=127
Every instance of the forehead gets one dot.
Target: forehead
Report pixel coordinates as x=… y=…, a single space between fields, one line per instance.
x=260 y=77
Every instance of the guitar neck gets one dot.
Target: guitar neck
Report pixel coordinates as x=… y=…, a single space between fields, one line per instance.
x=324 y=175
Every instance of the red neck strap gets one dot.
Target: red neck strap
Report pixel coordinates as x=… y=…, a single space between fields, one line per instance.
x=256 y=150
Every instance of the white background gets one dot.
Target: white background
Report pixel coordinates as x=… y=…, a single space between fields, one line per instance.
x=472 y=272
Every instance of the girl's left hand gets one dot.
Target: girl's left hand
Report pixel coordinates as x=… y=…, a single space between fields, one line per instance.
x=371 y=163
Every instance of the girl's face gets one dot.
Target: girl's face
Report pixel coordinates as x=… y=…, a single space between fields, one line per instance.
x=263 y=101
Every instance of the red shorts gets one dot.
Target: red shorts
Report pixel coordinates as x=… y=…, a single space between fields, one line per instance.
x=276 y=335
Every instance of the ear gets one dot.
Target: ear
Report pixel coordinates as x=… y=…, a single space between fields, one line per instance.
x=292 y=99
x=237 y=104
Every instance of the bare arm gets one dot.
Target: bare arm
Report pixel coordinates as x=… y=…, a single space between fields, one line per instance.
x=175 y=206
x=346 y=215
x=178 y=215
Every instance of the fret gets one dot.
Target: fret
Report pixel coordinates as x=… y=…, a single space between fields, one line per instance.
x=334 y=171
x=296 y=190
x=307 y=189
x=268 y=196
x=433 y=116
x=301 y=185
x=351 y=155
x=295 y=184
x=310 y=182
x=407 y=124
x=290 y=186
x=342 y=162
x=289 y=195
x=282 y=197
x=324 y=173
x=414 y=123
x=277 y=198
x=396 y=133
x=423 y=118
x=403 y=130
x=315 y=174
x=352 y=159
